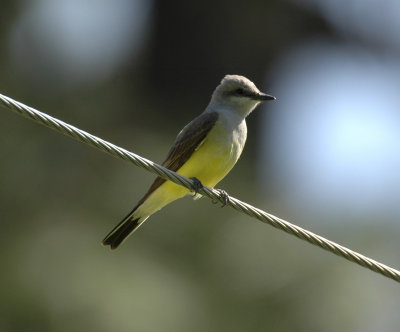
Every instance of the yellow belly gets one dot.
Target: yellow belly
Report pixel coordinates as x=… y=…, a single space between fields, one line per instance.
x=210 y=163
x=213 y=160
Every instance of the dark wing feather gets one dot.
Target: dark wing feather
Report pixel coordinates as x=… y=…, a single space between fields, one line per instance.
x=185 y=144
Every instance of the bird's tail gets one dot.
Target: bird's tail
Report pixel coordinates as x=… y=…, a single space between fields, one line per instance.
x=125 y=228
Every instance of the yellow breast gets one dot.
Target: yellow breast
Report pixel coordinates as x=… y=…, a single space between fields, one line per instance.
x=217 y=154
x=210 y=163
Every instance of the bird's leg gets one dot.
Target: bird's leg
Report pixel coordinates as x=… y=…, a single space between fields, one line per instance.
x=197 y=185
x=224 y=196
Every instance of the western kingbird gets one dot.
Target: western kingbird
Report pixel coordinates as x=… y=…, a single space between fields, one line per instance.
x=206 y=149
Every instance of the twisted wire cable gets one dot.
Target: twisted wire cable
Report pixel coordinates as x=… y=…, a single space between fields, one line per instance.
x=214 y=194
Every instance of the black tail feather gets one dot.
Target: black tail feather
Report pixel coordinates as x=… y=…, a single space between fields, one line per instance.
x=122 y=230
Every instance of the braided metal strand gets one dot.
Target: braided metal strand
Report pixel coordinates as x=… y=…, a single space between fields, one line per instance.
x=161 y=171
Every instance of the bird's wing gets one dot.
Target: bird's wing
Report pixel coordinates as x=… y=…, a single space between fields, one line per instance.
x=187 y=141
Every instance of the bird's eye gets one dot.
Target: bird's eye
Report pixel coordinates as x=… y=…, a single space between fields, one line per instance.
x=239 y=91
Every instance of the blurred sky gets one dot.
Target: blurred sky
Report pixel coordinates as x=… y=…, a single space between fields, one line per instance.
x=324 y=156
x=77 y=42
x=337 y=137
x=337 y=124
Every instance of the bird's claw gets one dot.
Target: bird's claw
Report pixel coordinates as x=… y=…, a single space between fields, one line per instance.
x=224 y=196
x=197 y=185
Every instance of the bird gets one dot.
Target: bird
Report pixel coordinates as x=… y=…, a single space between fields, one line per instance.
x=205 y=150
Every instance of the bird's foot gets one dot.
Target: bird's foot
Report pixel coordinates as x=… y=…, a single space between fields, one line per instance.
x=197 y=185
x=224 y=196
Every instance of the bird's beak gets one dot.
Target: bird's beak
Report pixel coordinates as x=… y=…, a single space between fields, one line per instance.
x=263 y=96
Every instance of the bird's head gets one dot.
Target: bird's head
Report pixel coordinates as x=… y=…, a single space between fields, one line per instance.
x=239 y=94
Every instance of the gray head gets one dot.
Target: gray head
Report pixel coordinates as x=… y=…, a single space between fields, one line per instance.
x=238 y=93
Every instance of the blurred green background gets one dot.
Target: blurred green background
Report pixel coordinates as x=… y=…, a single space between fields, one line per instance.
x=325 y=156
